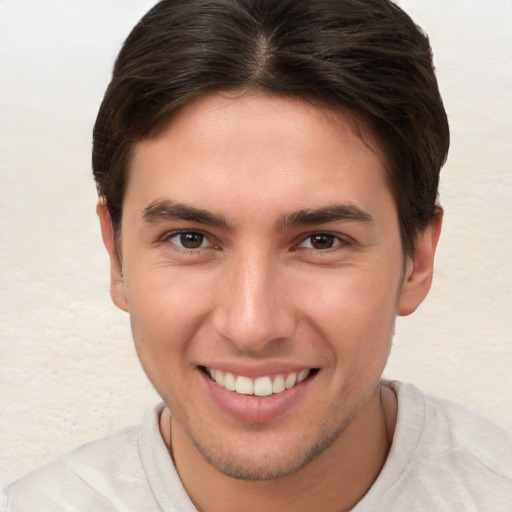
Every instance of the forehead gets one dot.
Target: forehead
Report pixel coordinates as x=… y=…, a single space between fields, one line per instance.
x=265 y=149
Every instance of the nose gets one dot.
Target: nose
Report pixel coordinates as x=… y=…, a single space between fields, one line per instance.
x=253 y=311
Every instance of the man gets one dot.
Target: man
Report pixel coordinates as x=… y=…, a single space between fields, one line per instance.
x=267 y=173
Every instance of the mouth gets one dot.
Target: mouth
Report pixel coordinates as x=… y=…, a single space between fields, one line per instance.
x=265 y=385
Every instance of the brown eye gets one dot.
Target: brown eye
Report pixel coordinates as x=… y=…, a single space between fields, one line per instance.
x=322 y=241
x=188 y=240
x=191 y=240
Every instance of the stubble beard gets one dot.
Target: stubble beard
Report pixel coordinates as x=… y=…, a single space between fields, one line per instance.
x=243 y=466
x=275 y=465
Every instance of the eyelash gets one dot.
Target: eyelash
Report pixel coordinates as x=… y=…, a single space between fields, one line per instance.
x=169 y=236
x=337 y=241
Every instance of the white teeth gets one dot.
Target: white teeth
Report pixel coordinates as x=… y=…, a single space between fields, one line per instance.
x=219 y=378
x=290 y=380
x=244 y=385
x=278 y=384
x=302 y=375
x=229 y=381
x=262 y=386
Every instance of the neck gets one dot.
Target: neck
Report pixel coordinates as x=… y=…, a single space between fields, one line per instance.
x=334 y=480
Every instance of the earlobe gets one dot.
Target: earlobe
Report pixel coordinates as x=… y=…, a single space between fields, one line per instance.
x=117 y=289
x=419 y=268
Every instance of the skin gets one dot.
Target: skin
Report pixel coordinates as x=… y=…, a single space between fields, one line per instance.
x=260 y=292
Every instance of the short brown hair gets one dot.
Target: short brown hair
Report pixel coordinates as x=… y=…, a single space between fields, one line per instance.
x=362 y=56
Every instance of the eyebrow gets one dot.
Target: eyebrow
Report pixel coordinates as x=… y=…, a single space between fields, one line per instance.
x=331 y=213
x=161 y=210
x=165 y=209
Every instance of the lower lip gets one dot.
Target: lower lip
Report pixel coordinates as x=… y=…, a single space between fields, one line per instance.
x=255 y=409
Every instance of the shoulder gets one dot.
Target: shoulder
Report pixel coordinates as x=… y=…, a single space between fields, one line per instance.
x=98 y=475
x=443 y=457
x=455 y=429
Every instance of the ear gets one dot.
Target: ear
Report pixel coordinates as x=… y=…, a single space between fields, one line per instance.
x=117 y=290
x=419 y=268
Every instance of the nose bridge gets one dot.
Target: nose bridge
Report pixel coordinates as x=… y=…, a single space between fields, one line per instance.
x=252 y=310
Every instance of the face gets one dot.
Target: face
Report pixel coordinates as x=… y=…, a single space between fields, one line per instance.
x=262 y=269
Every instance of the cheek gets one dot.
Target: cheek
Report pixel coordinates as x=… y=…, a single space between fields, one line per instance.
x=165 y=315
x=354 y=310
x=165 y=310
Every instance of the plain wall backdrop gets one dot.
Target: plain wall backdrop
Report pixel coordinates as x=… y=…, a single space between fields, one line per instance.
x=68 y=370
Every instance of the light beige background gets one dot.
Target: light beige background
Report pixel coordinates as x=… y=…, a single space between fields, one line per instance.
x=68 y=371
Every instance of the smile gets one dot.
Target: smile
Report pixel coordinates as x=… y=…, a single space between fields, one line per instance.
x=262 y=386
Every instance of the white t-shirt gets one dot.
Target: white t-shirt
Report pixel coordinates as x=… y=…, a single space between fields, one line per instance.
x=443 y=458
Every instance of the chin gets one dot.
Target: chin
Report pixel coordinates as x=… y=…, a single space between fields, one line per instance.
x=260 y=461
